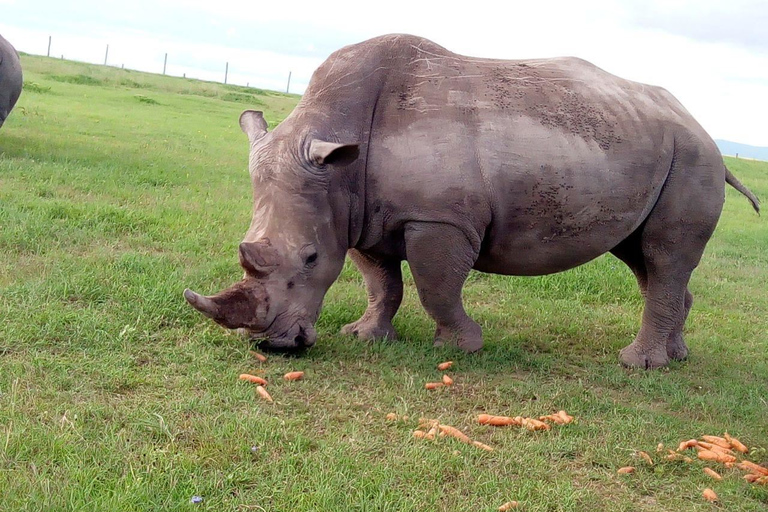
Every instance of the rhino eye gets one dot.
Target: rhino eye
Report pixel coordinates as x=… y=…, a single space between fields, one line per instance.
x=311 y=259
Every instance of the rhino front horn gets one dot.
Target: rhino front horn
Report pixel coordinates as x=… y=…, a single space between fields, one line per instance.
x=203 y=304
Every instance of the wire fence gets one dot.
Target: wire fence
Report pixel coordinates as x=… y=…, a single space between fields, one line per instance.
x=224 y=76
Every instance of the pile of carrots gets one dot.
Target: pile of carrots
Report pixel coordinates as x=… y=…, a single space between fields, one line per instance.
x=261 y=382
x=725 y=450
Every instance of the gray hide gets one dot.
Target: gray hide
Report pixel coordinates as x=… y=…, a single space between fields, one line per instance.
x=10 y=78
x=402 y=150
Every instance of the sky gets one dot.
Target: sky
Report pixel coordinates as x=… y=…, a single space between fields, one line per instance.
x=711 y=54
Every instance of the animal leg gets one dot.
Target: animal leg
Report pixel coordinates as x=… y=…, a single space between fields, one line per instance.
x=384 y=283
x=440 y=257
x=630 y=252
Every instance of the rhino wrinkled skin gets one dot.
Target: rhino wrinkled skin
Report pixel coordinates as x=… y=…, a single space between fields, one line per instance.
x=10 y=78
x=402 y=150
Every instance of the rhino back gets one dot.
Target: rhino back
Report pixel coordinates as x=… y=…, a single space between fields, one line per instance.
x=553 y=160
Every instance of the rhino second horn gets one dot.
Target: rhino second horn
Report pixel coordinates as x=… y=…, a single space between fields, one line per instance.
x=203 y=304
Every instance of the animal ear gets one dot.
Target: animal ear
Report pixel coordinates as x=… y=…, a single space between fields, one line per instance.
x=253 y=124
x=330 y=153
x=257 y=258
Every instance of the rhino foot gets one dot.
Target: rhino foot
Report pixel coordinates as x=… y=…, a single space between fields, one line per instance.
x=676 y=348
x=636 y=355
x=469 y=338
x=367 y=329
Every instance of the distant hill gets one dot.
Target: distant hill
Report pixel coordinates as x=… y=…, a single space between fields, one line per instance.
x=734 y=148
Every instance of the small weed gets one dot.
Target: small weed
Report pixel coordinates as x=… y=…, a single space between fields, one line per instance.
x=145 y=99
x=35 y=87
x=77 y=79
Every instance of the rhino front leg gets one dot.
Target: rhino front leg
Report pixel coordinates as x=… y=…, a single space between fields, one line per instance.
x=440 y=257
x=384 y=283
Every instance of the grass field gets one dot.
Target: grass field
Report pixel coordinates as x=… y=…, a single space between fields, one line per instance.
x=118 y=189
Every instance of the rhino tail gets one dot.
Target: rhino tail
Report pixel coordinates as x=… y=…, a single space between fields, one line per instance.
x=735 y=183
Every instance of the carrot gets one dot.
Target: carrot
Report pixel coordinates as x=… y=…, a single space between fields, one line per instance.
x=261 y=357
x=433 y=385
x=715 y=456
x=709 y=495
x=552 y=417
x=419 y=434
x=647 y=458
x=482 y=446
x=444 y=366
x=447 y=380
x=508 y=506
x=713 y=473
x=659 y=447
x=293 y=375
x=751 y=477
x=432 y=433
x=687 y=444
x=496 y=421
x=736 y=444
x=534 y=424
x=392 y=416
x=454 y=432
x=719 y=441
x=565 y=416
x=750 y=466
x=264 y=394
x=253 y=378
x=626 y=470
x=714 y=447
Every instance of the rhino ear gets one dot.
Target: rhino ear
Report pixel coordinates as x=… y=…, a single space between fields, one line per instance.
x=257 y=258
x=330 y=153
x=253 y=124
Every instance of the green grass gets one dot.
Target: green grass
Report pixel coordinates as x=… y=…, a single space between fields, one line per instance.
x=118 y=189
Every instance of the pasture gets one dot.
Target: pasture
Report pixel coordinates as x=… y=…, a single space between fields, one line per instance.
x=118 y=189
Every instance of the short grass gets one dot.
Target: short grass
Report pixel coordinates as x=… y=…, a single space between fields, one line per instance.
x=119 y=189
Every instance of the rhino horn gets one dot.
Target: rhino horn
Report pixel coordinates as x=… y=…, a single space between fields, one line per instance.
x=203 y=304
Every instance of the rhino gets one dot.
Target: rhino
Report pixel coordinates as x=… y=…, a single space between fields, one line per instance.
x=402 y=150
x=10 y=78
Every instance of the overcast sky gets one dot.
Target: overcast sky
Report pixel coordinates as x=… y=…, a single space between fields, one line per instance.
x=712 y=55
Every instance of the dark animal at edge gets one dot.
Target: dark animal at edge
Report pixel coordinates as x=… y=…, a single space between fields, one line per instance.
x=10 y=79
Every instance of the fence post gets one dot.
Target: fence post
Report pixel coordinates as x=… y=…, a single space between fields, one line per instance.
x=49 y=46
x=288 y=87
x=226 y=72
x=106 y=55
x=165 y=62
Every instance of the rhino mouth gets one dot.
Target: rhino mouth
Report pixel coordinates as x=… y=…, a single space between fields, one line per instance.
x=297 y=337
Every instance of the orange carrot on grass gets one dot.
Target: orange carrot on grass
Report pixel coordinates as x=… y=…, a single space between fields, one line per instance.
x=508 y=506
x=433 y=385
x=261 y=357
x=454 y=432
x=264 y=394
x=444 y=366
x=626 y=470
x=293 y=375
x=497 y=421
x=719 y=441
x=253 y=378
x=736 y=444
x=709 y=495
x=447 y=380
x=714 y=474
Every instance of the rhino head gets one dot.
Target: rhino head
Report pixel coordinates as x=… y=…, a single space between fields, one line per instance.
x=295 y=247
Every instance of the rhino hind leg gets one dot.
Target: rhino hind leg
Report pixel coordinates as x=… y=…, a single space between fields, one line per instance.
x=665 y=250
x=440 y=258
x=384 y=284
x=630 y=252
